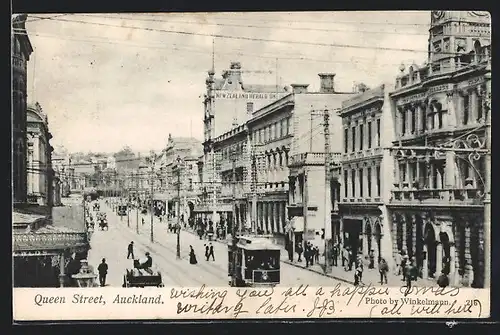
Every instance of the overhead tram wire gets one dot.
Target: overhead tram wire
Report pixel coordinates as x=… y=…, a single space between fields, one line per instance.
x=243 y=54
x=246 y=38
x=254 y=26
x=333 y=21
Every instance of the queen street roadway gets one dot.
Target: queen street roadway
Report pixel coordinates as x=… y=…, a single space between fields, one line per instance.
x=112 y=245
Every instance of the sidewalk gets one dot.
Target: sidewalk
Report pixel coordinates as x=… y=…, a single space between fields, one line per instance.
x=369 y=275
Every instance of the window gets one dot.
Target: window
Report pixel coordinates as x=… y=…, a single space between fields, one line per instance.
x=378 y=181
x=466 y=109
x=346 y=140
x=282 y=128
x=249 y=107
x=273 y=132
x=413 y=120
x=378 y=132
x=369 y=181
x=361 y=186
x=369 y=135
x=424 y=118
x=353 y=183
x=289 y=122
x=346 y=186
x=403 y=122
x=361 y=137
x=440 y=119
x=285 y=126
x=190 y=187
x=479 y=107
x=353 y=139
x=276 y=130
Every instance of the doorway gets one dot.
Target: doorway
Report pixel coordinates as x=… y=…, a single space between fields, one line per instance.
x=431 y=244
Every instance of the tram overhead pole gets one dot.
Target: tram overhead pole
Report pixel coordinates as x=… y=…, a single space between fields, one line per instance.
x=234 y=281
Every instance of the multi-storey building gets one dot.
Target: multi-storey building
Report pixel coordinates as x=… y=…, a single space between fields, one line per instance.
x=177 y=183
x=228 y=102
x=366 y=176
x=21 y=51
x=308 y=199
x=437 y=202
x=233 y=150
x=40 y=172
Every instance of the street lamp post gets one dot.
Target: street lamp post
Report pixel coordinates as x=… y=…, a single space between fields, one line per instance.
x=178 y=207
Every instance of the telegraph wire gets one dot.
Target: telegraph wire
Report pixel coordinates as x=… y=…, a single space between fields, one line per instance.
x=246 y=38
x=356 y=60
x=254 y=26
x=332 y=21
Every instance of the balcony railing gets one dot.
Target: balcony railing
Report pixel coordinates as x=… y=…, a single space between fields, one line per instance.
x=241 y=190
x=456 y=196
x=362 y=153
x=48 y=241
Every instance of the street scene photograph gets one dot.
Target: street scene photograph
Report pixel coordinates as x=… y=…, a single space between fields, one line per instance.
x=251 y=149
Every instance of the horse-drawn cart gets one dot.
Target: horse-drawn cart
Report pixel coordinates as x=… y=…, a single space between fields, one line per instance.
x=137 y=277
x=103 y=221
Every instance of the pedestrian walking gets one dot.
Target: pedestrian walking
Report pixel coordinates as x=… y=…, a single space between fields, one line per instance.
x=103 y=271
x=207 y=252
x=383 y=268
x=307 y=254
x=211 y=252
x=316 y=254
x=335 y=255
x=290 y=251
x=192 y=256
x=404 y=266
x=397 y=262
x=360 y=269
x=130 y=250
x=371 y=255
x=299 y=252
x=345 y=258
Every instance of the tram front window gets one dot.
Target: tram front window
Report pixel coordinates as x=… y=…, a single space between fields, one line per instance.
x=266 y=260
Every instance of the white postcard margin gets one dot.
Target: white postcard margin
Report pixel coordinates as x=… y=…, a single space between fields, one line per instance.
x=340 y=301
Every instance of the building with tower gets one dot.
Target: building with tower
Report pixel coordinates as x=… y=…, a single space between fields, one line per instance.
x=441 y=117
x=228 y=102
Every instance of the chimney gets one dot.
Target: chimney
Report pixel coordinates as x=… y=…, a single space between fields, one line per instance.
x=299 y=88
x=327 y=82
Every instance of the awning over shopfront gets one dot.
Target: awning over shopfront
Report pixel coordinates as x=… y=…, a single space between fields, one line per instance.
x=37 y=235
x=209 y=209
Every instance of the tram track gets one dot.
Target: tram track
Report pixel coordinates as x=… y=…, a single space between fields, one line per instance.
x=179 y=274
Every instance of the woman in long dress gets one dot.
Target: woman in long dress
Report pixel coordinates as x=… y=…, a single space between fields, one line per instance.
x=192 y=256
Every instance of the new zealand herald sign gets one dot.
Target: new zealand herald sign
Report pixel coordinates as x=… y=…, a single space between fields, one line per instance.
x=247 y=95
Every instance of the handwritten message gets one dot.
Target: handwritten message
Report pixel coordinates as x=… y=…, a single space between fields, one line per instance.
x=237 y=303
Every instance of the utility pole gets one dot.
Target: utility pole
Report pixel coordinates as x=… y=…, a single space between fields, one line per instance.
x=487 y=184
x=128 y=206
x=214 y=188
x=137 y=204
x=328 y=223
x=254 y=191
x=233 y=232
x=153 y=159
x=178 y=207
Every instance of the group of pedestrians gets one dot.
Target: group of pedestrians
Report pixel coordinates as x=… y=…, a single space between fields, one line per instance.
x=209 y=252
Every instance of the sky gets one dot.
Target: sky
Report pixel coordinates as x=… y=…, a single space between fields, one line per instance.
x=112 y=80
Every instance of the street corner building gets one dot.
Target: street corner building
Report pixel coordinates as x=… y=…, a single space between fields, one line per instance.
x=415 y=166
x=48 y=244
x=441 y=116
